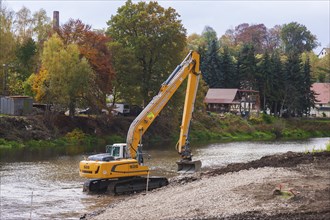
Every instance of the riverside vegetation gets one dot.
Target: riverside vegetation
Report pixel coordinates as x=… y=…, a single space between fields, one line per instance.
x=41 y=131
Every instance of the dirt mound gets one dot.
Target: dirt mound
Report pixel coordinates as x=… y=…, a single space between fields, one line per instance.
x=25 y=128
x=289 y=159
x=48 y=126
x=45 y=127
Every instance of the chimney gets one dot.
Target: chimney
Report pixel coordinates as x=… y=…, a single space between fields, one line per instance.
x=56 y=20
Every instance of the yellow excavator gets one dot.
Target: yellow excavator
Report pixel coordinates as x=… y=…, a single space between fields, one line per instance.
x=120 y=169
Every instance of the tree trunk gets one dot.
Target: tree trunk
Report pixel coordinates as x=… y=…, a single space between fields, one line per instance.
x=72 y=107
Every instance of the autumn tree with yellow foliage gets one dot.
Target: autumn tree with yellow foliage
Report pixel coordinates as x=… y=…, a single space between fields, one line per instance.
x=65 y=78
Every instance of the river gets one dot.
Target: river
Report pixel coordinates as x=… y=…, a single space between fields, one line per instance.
x=46 y=185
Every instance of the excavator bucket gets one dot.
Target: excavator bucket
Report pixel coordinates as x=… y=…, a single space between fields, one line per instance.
x=189 y=166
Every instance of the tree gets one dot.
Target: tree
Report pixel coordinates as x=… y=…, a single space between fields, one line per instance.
x=227 y=68
x=308 y=95
x=7 y=45
x=154 y=36
x=194 y=42
x=23 y=24
x=228 y=40
x=293 y=81
x=265 y=79
x=127 y=74
x=297 y=39
x=246 y=67
x=41 y=27
x=210 y=66
x=273 y=39
x=210 y=59
x=251 y=34
x=278 y=92
x=25 y=58
x=93 y=46
x=323 y=69
x=68 y=78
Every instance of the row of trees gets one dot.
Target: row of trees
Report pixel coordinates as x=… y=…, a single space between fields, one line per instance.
x=277 y=70
x=77 y=66
x=69 y=66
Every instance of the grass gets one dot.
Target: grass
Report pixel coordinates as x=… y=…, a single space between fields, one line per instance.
x=262 y=127
x=326 y=149
x=85 y=140
x=9 y=144
x=204 y=127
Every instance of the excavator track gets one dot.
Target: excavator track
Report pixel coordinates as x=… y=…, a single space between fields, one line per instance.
x=124 y=185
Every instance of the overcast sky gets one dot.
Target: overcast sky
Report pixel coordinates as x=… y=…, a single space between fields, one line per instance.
x=196 y=14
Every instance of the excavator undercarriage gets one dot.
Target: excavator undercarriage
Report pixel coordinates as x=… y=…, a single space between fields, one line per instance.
x=125 y=185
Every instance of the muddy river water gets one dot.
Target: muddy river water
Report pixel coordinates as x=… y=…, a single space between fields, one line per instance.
x=46 y=185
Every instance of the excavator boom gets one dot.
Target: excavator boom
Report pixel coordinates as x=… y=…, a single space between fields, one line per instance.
x=188 y=68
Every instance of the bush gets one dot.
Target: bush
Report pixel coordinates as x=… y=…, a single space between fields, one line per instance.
x=9 y=144
x=255 y=120
x=267 y=118
x=278 y=128
x=295 y=133
x=76 y=136
x=39 y=144
x=259 y=135
x=111 y=139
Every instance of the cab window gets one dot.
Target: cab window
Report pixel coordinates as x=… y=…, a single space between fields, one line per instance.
x=116 y=151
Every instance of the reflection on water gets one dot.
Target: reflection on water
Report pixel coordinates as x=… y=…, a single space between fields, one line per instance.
x=220 y=154
x=53 y=184
x=42 y=154
x=54 y=187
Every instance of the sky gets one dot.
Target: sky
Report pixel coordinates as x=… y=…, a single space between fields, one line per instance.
x=221 y=15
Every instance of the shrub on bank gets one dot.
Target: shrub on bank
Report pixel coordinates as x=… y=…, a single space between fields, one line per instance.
x=327 y=147
x=9 y=144
x=263 y=127
x=226 y=127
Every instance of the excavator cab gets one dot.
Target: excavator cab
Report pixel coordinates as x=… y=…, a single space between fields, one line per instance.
x=118 y=151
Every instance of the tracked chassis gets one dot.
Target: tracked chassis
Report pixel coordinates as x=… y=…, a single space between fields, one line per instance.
x=124 y=185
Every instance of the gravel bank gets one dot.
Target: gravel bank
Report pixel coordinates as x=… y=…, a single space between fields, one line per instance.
x=237 y=195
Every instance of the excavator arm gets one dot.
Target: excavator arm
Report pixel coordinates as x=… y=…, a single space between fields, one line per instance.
x=188 y=68
x=191 y=91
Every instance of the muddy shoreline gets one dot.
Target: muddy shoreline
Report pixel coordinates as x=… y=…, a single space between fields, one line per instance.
x=238 y=191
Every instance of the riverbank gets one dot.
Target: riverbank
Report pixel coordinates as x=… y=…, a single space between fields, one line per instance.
x=60 y=130
x=283 y=186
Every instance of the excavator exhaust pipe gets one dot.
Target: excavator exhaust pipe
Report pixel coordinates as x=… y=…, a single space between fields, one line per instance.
x=185 y=166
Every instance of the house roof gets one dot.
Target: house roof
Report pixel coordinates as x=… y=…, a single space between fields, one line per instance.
x=322 y=91
x=324 y=51
x=224 y=96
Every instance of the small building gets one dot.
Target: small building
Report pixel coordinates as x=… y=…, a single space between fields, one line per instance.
x=323 y=52
x=16 y=105
x=232 y=100
x=322 y=104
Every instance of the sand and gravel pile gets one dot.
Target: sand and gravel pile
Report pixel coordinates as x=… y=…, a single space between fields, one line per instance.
x=244 y=194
